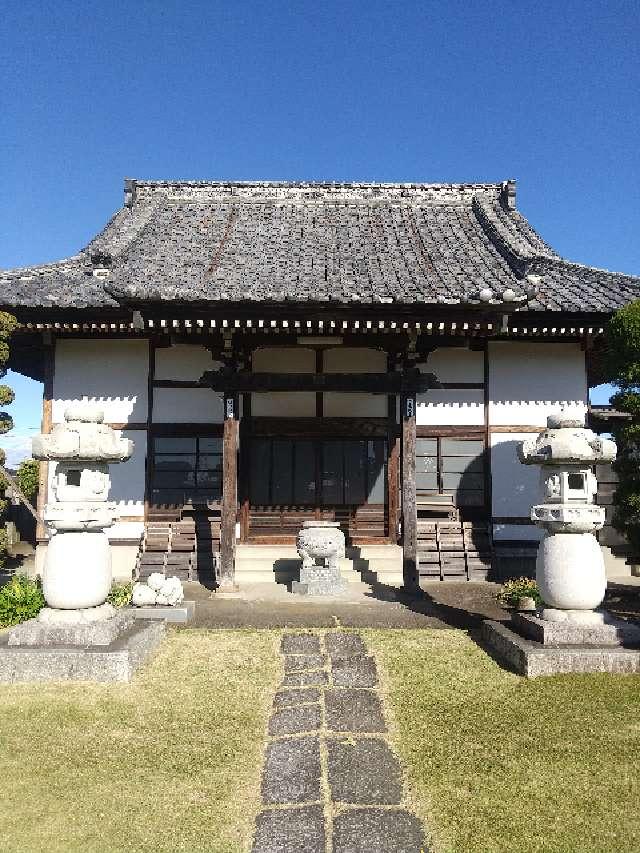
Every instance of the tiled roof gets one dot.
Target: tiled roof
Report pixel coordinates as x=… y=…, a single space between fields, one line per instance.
x=202 y=243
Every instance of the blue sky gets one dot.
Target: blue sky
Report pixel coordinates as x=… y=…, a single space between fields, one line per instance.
x=544 y=92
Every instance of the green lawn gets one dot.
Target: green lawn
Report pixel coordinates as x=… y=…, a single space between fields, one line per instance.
x=170 y=762
x=496 y=762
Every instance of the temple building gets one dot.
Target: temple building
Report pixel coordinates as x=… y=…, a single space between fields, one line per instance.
x=369 y=353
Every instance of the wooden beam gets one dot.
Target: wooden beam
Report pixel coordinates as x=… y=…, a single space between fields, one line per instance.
x=45 y=426
x=450 y=431
x=411 y=382
x=319 y=427
x=409 y=511
x=187 y=429
x=516 y=428
x=133 y=425
x=226 y=578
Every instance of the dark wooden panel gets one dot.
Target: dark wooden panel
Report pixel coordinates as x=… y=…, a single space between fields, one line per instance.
x=285 y=521
x=449 y=432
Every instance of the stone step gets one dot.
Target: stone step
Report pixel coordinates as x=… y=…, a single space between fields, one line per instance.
x=369 y=565
x=262 y=576
x=252 y=574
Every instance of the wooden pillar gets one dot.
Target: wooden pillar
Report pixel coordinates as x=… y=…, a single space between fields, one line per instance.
x=488 y=483
x=45 y=427
x=393 y=461
x=149 y=459
x=229 y=493
x=409 y=512
x=244 y=472
x=393 y=478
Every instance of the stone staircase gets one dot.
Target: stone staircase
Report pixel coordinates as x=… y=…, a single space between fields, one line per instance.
x=363 y=566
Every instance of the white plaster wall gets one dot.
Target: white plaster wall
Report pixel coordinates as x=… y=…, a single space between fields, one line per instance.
x=185 y=362
x=354 y=360
x=187 y=405
x=127 y=486
x=515 y=532
x=455 y=364
x=113 y=373
x=283 y=360
x=339 y=405
x=445 y=407
x=449 y=407
x=515 y=487
x=529 y=381
x=127 y=478
x=284 y=404
x=275 y=404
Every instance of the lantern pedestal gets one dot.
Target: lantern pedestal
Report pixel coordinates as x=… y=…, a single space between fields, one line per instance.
x=562 y=648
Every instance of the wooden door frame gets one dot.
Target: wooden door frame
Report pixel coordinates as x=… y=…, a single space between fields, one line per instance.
x=310 y=429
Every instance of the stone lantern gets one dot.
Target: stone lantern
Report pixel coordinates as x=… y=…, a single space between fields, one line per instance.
x=570 y=569
x=77 y=570
x=78 y=636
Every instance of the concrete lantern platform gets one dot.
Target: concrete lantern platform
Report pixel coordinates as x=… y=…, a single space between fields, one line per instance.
x=114 y=661
x=531 y=658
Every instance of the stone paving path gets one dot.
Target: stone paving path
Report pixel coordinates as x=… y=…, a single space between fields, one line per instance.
x=330 y=782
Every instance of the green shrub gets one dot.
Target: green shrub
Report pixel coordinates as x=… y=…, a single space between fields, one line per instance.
x=120 y=594
x=28 y=478
x=518 y=588
x=20 y=599
x=623 y=370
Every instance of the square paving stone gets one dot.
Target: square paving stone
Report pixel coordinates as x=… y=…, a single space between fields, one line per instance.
x=290 y=831
x=342 y=644
x=291 y=772
x=364 y=772
x=308 y=678
x=293 y=663
x=299 y=644
x=377 y=831
x=354 y=672
x=293 y=721
x=285 y=698
x=354 y=711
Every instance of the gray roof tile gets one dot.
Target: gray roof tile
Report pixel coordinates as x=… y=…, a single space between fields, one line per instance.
x=203 y=243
